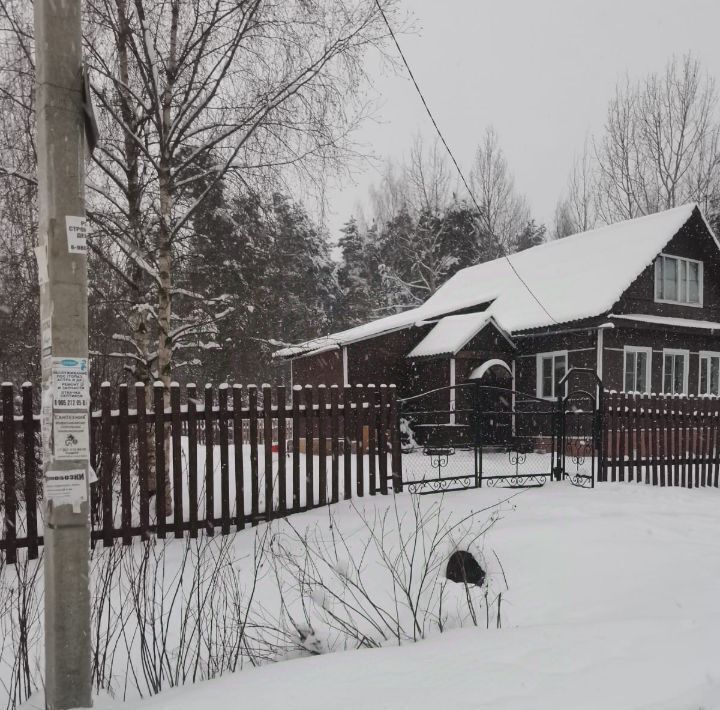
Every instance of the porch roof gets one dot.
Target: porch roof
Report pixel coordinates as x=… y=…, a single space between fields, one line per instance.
x=452 y=333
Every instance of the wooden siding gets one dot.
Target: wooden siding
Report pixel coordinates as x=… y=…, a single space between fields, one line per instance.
x=321 y=369
x=641 y=335
x=694 y=242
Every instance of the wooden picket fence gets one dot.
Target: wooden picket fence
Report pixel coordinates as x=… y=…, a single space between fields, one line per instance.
x=319 y=445
x=661 y=440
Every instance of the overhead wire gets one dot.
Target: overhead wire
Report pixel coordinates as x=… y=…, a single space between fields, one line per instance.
x=450 y=153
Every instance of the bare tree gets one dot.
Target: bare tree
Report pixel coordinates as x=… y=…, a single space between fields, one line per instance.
x=503 y=212
x=577 y=211
x=661 y=144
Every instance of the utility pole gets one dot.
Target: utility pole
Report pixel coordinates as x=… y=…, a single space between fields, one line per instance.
x=62 y=269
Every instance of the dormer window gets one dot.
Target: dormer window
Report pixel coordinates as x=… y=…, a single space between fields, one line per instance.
x=678 y=280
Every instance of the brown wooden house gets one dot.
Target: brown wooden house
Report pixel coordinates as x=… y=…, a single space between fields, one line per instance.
x=637 y=301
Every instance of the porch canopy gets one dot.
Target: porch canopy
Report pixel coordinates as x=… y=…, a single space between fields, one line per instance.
x=452 y=333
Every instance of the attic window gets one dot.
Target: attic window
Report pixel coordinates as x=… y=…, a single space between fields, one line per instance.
x=678 y=280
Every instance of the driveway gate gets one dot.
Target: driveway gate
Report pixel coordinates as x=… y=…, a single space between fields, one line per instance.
x=472 y=435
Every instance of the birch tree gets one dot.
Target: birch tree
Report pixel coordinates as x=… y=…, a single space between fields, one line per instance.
x=269 y=89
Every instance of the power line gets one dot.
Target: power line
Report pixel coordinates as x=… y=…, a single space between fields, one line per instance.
x=450 y=153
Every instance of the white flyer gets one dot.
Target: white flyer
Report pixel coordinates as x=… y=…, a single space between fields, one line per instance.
x=70 y=436
x=76 y=229
x=70 y=383
x=67 y=487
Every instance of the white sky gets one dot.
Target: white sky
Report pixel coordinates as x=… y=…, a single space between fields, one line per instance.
x=540 y=71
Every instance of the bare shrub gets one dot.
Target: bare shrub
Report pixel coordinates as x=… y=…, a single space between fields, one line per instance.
x=382 y=581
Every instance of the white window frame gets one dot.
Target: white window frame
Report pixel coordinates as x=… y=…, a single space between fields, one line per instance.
x=686 y=373
x=538 y=369
x=701 y=279
x=706 y=355
x=648 y=374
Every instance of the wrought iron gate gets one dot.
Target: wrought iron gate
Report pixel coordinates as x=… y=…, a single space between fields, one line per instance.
x=472 y=435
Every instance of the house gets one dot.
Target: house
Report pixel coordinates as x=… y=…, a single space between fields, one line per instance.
x=637 y=301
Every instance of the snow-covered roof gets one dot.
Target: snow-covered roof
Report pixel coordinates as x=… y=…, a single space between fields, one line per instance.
x=577 y=277
x=668 y=320
x=451 y=334
x=389 y=324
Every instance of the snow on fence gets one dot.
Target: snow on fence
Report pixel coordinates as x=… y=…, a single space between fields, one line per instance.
x=661 y=440
x=212 y=451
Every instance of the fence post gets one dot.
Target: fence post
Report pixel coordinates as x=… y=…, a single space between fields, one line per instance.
x=8 y=413
x=30 y=470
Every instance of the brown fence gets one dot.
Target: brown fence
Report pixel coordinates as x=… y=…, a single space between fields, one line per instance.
x=661 y=440
x=229 y=456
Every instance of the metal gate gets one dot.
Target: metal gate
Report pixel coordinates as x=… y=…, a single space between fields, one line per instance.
x=472 y=435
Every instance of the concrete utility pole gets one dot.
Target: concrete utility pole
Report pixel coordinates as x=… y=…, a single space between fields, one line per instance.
x=62 y=268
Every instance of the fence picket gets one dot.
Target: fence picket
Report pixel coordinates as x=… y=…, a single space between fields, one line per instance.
x=9 y=488
x=268 y=462
x=359 y=442
x=395 y=442
x=322 y=445
x=160 y=467
x=296 y=447
x=142 y=439
x=254 y=474
x=31 y=471
x=334 y=444
x=238 y=442
x=209 y=461
x=191 y=392
x=347 y=445
x=224 y=459
x=176 y=447
x=382 y=446
x=106 y=462
x=280 y=396
x=124 y=442
x=309 y=435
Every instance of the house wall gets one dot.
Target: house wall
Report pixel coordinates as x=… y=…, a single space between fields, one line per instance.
x=321 y=369
x=693 y=242
x=581 y=349
x=642 y=336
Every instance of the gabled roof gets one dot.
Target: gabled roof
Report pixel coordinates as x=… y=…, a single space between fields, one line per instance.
x=580 y=276
x=452 y=333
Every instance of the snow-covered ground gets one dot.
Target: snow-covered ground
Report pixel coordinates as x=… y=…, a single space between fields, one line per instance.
x=610 y=600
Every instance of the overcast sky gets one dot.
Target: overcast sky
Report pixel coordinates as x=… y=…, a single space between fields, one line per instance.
x=540 y=71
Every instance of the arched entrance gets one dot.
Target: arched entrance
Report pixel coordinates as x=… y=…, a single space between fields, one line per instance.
x=496 y=378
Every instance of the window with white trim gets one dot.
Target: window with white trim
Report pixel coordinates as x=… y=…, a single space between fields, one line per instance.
x=551 y=368
x=709 y=378
x=636 y=374
x=678 y=280
x=675 y=371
